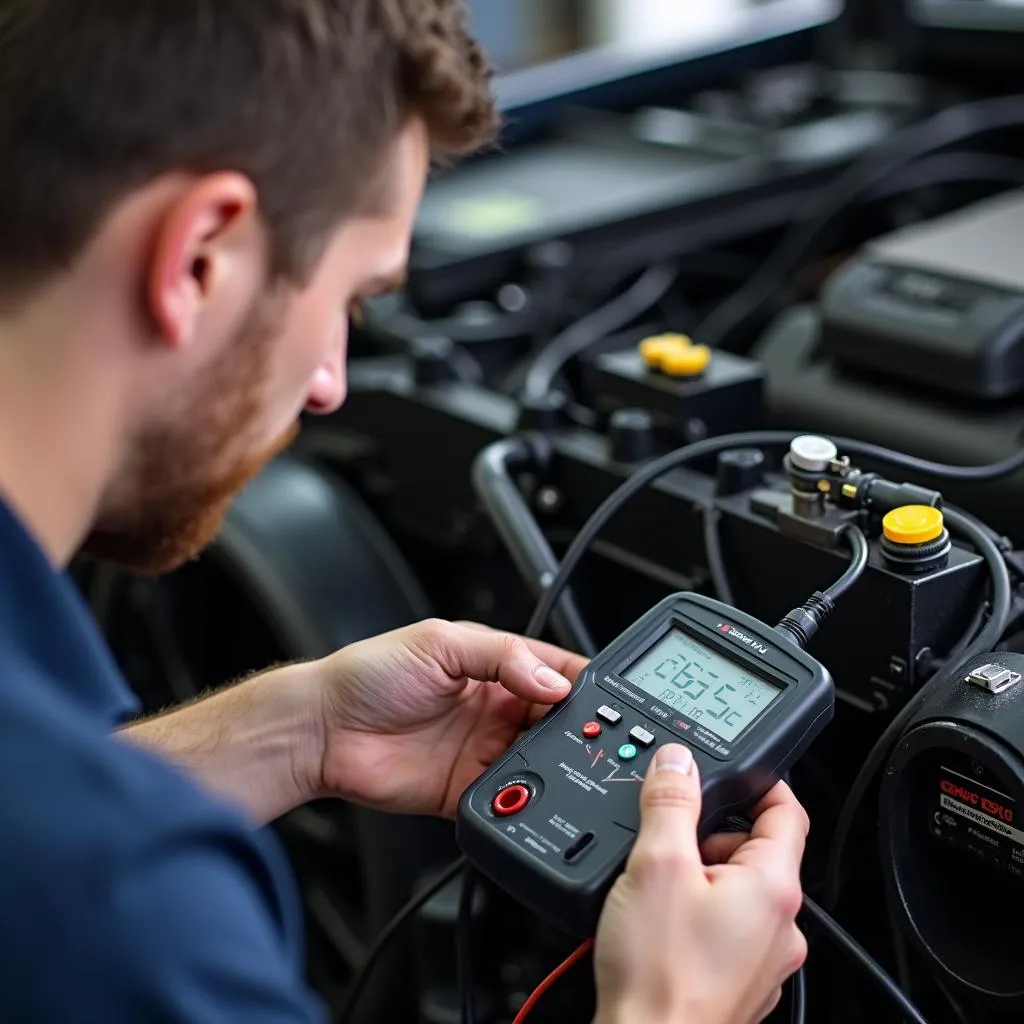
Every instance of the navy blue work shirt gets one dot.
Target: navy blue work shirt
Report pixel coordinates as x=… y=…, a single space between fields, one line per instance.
x=126 y=894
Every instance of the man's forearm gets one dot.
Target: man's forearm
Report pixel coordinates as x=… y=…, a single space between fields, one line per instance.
x=259 y=743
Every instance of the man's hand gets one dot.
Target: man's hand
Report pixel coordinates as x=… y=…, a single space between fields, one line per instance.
x=401 y=722
x=412 y=717
x=702 y=936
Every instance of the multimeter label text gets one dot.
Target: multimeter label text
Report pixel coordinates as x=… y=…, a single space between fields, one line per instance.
x=574 y=775
x=705 y=738
x=565 y=827
x=533 y=840
x=612 y=681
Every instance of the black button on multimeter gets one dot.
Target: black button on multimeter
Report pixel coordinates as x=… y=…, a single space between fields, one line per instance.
x=742 y=696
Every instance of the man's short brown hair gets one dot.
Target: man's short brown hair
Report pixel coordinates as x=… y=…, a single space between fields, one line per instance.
x=98 y=97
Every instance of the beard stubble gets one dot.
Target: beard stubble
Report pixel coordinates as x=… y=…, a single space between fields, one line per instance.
x=184 y=475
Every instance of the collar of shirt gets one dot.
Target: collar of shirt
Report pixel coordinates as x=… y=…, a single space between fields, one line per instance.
x=45 y=617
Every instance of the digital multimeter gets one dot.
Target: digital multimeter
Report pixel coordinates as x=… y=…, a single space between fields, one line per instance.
x=553 y=821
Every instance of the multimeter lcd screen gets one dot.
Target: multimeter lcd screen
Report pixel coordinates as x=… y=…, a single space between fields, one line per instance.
x=701 y=685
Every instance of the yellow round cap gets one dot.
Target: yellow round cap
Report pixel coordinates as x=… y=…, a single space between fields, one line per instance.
x=687 y=362
x=675 y=355
x=655 y=348
x=913 y=524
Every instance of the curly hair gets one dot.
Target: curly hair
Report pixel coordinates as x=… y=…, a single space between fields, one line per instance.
x=99 y=97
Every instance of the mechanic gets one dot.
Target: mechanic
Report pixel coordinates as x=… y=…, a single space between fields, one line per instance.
x=193 y=197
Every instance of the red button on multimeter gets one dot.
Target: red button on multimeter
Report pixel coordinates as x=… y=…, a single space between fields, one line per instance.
x=510 y=800
x=592 y=730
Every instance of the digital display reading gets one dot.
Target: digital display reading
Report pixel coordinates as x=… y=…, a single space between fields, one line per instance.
x=701 y=685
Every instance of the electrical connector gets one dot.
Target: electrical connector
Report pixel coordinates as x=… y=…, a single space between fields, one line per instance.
x=803 y=622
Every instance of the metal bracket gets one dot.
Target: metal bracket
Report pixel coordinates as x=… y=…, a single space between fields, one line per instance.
x=994 y=678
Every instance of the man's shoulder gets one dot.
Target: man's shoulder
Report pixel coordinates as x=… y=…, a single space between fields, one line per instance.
x=62 y=768
x=86 y=805
x=120 y=876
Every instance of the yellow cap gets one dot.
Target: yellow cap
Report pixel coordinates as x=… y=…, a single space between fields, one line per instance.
x=913 y=524
x=656 y=347
x=675 y=354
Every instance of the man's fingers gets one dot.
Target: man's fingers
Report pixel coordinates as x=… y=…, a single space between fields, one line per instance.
x=781 y=817
x=669 y=812
x=465 y=651
x=566 y=662
x=720 y=848
x=779 y=794
x=775 y=848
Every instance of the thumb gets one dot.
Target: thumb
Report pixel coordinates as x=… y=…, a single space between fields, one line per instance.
x=670 y=803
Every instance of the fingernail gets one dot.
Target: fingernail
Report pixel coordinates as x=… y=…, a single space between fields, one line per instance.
x=675 y=758
x=550 y=678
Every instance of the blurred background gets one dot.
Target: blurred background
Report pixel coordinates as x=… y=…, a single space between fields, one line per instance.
x=523 y=33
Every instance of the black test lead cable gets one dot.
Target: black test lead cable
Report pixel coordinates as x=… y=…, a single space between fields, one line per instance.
x=387 y=936
x=464 y=945
x=648 y=474
x=871 y=966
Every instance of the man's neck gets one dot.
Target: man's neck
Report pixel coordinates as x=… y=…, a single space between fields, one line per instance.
x=60 y=422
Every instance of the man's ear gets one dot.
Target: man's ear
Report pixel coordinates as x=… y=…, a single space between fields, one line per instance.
x=208 y=247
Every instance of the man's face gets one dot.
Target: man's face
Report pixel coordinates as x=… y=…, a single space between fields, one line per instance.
x=241 y=407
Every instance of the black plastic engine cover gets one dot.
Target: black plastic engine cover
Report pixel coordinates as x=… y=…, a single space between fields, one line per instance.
x=939 y=304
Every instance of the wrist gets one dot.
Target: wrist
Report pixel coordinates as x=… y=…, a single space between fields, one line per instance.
x=294 y=699
x=625 y=1014
x=620 y=1012
x=259 y=743
x=638 y=1011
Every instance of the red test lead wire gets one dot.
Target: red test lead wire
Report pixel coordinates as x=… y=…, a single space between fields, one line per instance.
x=551 y=979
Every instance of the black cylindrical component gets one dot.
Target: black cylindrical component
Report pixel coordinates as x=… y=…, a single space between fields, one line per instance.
x=801 y=624
x=883 y=496
x=811 y=453
x=915 y=539
x=549 y=276
x=542 y=412
x=552 y=256
x=951 y=839
x=432 y=360
x=807 y=462
x=739 y=470
x=509 y=512
x=631 y=432
x=933 y=554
